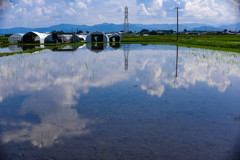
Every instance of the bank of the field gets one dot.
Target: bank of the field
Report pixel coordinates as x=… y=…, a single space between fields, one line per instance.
x=229 y=43
x=217 y=42
x=47 y=46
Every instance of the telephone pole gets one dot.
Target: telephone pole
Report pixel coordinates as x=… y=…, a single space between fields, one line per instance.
x=177 y=23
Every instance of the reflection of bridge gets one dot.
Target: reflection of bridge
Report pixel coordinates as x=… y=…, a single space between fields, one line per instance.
x=126 y=53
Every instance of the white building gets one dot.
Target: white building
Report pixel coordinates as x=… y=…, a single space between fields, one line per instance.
x=78 y=38
x=97 y=37
x=66 y=38
x=15 y=38
x=115 y=38
x=36 y=37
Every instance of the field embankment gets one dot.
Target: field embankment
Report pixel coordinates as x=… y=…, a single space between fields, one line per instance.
x=219 y=42
x=47 y=46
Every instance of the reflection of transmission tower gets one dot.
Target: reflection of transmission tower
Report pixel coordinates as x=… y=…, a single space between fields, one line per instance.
x=126 y=25
x=126 y=53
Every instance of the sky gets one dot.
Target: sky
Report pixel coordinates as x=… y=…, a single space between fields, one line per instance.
x=43 y=13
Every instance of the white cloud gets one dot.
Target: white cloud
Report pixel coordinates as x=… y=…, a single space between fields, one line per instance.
x=217 y=11
x=144 y=10
x=140 y=11
x=28 y=2
x=158 y=3
x=101 y=17
x=40 y=2
x=70 y=11
x=48 y=10
x=38 y=11
x=3 y=4
x=81 y=5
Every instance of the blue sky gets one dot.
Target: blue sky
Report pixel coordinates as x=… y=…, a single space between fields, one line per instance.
x=44 y=13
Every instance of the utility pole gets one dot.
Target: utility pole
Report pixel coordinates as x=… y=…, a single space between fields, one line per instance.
x=177 y=23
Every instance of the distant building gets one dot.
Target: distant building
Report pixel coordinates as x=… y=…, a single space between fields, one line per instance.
x=97 y=37
x=231 y=33
x=193 y=33
x=160 y=33
x=78 y=38
x=15 y=38
x=220 y=33
x=210 y=33
x=36 y=37
x=65 y=38
x=115 y=38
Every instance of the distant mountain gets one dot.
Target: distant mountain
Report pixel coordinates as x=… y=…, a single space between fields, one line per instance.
x=109 y=27
x=205 y=28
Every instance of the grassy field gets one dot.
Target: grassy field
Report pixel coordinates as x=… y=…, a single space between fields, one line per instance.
x=172 y=38
x=216 y=42
x=4 y=40
x=219 y=42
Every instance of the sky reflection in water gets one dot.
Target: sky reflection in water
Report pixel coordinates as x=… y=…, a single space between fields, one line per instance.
x=136 y=102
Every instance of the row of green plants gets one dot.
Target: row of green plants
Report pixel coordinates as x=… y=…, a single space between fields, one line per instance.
x=171 y=38
x=47 y=46
x=219 y=42
x=4 y=40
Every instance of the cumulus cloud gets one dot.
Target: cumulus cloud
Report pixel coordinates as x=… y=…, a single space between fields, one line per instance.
x=40 y=2
x=101 y=17
x=140 y=11
x=236 y=2
x=144 y=10
x=219 y=11
x=3 y=4
x=70 y=11
x=28 y=2
x=81 y=5
x=38 y=11
x=158 y=3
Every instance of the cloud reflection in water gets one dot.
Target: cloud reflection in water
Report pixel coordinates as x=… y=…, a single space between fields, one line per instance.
x=54 y=81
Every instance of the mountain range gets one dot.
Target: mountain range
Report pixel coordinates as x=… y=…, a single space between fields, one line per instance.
x=109 y=27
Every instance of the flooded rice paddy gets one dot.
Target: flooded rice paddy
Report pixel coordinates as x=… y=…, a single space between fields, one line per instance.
x=120 y=102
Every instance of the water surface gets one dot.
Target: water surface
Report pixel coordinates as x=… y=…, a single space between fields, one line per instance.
x=125 y=102
x=18 y=48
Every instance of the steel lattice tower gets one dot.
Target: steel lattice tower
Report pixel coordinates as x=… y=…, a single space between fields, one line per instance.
x=126 y=25
x=126 y=54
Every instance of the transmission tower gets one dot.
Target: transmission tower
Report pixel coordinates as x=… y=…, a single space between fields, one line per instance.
x=126 y=25
x=126 y=54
